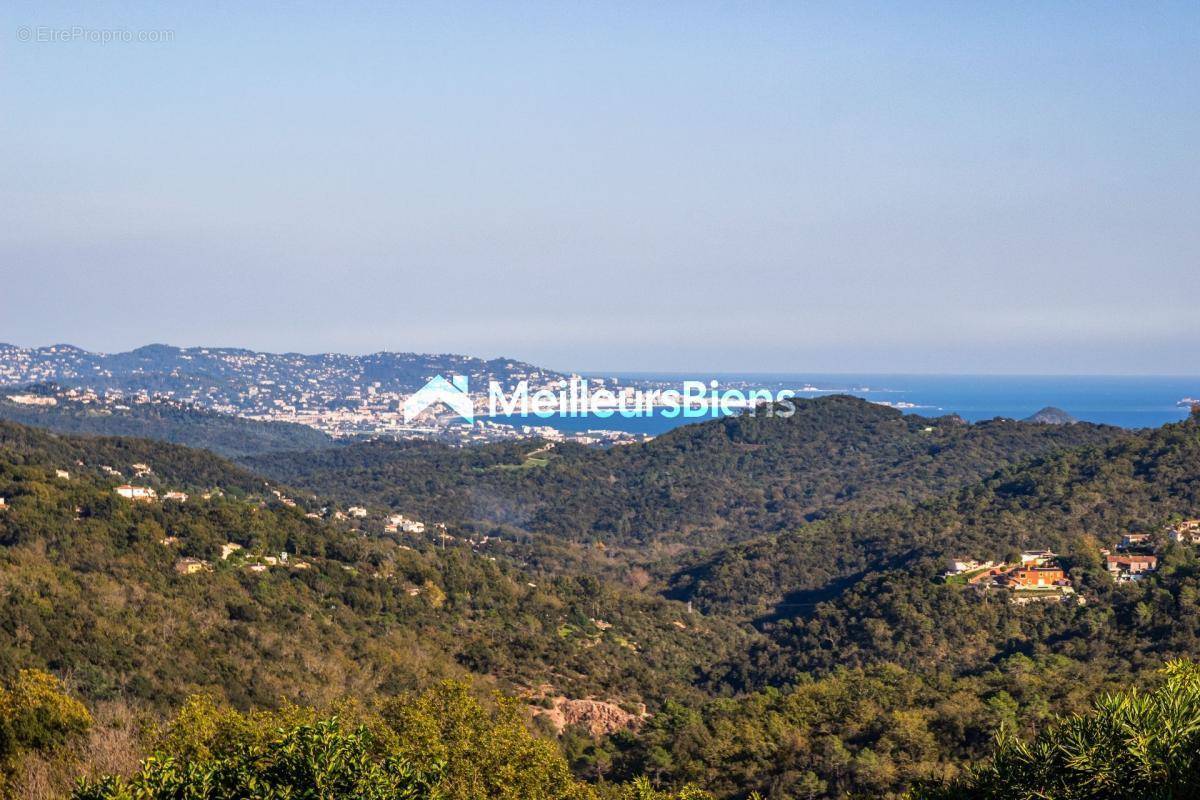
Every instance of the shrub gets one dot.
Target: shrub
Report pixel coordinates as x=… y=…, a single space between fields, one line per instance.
x=320 y=761
x=37 y=714
x=1135 y=745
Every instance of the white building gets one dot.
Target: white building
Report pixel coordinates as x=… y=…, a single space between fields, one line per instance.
x=142 y=493
x=958 y=566
x=32 y=400
x=1186 y=532
x=403 y=523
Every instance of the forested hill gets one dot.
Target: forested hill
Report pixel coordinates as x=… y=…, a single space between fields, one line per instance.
x=1089 y=496
x=878 y=672
x=180 y=423
x=152 y=601
x=824 y=660
x=701 y=484
x=865 y=589
x=171 y=466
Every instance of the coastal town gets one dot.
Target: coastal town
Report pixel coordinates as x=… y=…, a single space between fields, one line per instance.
x=379 y=416
x=345 y=396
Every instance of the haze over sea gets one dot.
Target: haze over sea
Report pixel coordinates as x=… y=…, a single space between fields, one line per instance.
x=1127 y=401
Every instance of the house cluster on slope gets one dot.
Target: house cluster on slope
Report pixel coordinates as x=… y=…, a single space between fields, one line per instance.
x=238 y=556
x=1137 y=553
x=1134 y=559
x=147 y=495
x=1040 y=574
x=231 y=552
x=399 y=522
x=1186 y=532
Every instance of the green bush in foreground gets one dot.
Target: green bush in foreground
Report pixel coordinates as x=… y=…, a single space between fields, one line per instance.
x=1135 y=745
x=441 y=744
x=37 y=714
x=322 y=760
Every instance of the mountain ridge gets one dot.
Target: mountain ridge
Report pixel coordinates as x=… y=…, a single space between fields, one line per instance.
x=697 y=485
x=249 y=382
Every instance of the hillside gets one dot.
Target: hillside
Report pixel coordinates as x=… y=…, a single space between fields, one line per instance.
x=827 y=654
x=90 y=588
x=697 y=486
x=1064 y=501
x=864 y=590
x=178 y=423
x=878 y=672
x=92 y=457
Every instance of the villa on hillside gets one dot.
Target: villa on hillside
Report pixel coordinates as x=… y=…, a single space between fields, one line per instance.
x=1184 y=536
x=399 y=522
x=142 y=494
x=1186 y=532
x=190 y=566
x=1135 y=541
x=1130 y=567
x=1037 y=577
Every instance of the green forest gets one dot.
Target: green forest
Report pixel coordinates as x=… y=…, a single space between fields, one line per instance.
x=749 y=607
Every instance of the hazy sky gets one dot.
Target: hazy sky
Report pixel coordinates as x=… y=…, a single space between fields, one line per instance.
x=957 y=187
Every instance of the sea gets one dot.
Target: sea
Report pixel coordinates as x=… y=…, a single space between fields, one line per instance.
x=1126 y=401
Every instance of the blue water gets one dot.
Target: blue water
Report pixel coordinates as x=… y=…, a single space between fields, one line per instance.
x=1130 y=402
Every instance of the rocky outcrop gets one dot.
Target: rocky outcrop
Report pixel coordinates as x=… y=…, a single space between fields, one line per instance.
x=597 y=717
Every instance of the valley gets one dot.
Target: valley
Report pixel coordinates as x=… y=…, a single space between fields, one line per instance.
x=665 y=601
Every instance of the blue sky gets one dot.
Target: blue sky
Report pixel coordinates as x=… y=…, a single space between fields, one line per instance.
x=914 y=187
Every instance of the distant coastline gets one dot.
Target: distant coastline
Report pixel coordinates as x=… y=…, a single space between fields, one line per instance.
x=1125 y=401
